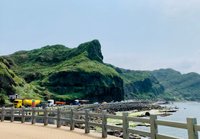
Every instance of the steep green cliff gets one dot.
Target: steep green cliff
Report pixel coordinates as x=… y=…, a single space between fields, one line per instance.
x=69 y=73
x=140 y=84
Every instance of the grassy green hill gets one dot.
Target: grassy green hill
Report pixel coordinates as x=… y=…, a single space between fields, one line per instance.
x=140 y=84
x=179 y=86
x=63 y=73
x=11 y=84
x=69 y=73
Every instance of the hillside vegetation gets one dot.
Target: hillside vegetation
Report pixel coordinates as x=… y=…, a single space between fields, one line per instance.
x=140 y=85
x=11 y=84
x=62 y=73
x=69 y=73
x=179 y=86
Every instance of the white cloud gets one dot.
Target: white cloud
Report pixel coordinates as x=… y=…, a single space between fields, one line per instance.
x=189 y=64
x=168 y=7
x=179 y=7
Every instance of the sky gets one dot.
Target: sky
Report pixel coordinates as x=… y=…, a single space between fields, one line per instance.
x=134 y=34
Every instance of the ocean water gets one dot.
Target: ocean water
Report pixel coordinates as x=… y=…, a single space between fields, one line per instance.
x=186 y=110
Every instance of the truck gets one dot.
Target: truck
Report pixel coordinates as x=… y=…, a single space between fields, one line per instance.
x=52 y=102
x=18 y=103
x=60 y=103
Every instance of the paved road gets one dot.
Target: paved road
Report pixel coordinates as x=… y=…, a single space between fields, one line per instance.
x=27 y=131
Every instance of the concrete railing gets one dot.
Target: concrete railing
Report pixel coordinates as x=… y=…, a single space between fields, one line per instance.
x=71 y=117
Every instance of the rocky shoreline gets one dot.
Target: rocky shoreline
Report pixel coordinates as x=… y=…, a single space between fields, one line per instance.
x=120 y=106
x=135 y=109
x=128 y=106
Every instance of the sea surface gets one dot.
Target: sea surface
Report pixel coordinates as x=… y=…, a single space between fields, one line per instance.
x=186 y=109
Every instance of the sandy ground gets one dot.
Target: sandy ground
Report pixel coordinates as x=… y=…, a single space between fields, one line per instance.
x=17 y=130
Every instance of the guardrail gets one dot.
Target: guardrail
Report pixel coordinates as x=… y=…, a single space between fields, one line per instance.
x=71 y=117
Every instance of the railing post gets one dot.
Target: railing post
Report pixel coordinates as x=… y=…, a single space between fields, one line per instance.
x=87 y=127
x=125 y=126
x=12 y=114
x=153 y=126
x=23 y=116
x=72 y=120
x=45 y=117
x=104 y=124
x=26 y=113
x=3 y=114
x=19 y=113
x=192 y=134
x=33 y=116
x=58 y=118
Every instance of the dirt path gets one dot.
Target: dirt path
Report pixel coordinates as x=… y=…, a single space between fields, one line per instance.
x=27 y=131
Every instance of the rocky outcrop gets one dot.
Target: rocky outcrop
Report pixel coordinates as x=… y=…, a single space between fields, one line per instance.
x=69 y=73
x=93 y=86
x=93 y=49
